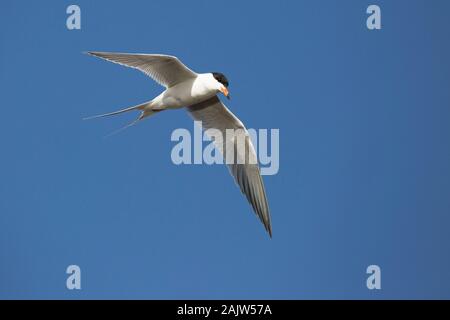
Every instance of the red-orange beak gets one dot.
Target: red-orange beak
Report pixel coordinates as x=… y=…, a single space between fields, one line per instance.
x=225 y=92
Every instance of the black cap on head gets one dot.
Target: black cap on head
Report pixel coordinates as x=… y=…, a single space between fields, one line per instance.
x=221 y=78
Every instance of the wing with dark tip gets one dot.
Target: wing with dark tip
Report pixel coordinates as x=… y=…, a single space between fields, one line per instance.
x=238 y=152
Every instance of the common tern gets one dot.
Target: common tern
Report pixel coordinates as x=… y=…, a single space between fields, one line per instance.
x=197 y=93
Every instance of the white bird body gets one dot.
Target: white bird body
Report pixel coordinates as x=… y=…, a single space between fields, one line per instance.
x=186 y=93
x=198 y=94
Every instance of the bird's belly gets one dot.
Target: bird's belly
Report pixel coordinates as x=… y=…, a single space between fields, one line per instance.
x=185 y=94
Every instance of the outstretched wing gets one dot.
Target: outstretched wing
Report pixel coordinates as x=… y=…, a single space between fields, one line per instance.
x=166 y=70
x=239 y=149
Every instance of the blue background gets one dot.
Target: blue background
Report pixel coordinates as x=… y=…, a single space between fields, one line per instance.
x=364 y=152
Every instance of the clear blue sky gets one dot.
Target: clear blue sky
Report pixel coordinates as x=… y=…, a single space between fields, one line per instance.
x=364 y=176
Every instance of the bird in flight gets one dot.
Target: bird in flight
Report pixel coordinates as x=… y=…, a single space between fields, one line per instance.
x=197 y=93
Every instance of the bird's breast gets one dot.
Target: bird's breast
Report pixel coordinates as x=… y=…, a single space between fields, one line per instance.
x=187 y=93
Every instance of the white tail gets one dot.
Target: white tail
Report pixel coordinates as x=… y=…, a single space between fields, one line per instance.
x=138 y=107
x=145 y=109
